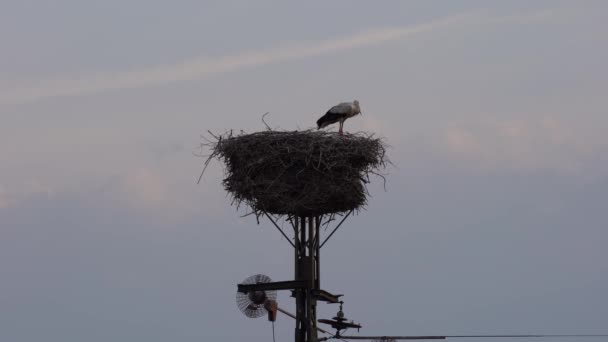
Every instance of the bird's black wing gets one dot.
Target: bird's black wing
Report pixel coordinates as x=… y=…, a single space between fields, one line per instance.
x=328 y=119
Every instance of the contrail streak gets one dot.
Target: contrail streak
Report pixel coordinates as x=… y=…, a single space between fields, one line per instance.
x=200 y=67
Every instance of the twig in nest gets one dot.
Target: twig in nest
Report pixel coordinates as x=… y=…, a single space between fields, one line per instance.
x=265 y=124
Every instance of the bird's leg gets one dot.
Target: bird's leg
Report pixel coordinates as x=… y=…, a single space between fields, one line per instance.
x=340 y=131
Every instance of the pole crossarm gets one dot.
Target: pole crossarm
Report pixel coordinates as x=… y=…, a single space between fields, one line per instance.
x=277 y=285
x=326 y=296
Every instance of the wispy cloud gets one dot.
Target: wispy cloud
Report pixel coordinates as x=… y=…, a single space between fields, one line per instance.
x=540 y=141
x=201 y=67
x=22 y=192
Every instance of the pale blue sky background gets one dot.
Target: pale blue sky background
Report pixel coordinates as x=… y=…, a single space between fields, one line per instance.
x=495 y=218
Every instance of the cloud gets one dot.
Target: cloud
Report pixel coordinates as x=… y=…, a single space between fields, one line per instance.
x=201 y=67
x=145 y=187
x=5 y=199
x=12 y=196
x=536 y=142
x=153 y=190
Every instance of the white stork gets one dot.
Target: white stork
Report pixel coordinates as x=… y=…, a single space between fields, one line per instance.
x=339 y=113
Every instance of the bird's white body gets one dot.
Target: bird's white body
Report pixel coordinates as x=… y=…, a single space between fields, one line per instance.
x=339 y=113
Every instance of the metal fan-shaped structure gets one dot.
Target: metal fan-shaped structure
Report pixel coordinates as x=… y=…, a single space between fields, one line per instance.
x=252 y=303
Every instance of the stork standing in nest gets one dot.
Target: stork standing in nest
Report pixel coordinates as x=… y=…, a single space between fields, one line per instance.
x=339 y=113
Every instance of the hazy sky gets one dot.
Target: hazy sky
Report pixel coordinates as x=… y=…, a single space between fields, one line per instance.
x=495 y=218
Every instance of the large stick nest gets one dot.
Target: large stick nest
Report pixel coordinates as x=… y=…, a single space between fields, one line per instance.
x=304 y=173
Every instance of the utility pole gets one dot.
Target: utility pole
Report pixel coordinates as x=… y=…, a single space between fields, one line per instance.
x=306 y=287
